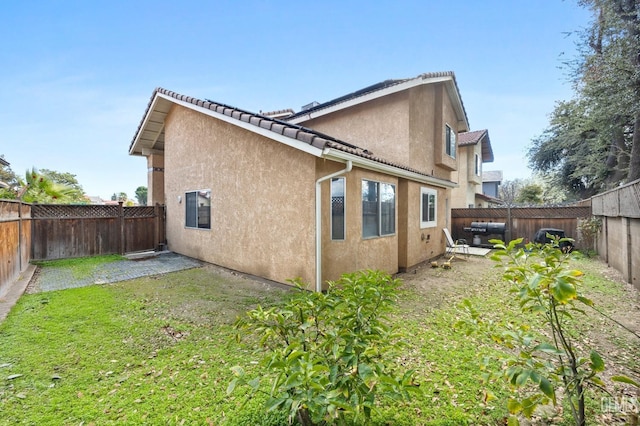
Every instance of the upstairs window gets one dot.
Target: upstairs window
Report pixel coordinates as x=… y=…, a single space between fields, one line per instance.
x=428 y=207
x=198 y=209
x=450 y=141
x=337 y=209
x=478 y=165
x=378 y=209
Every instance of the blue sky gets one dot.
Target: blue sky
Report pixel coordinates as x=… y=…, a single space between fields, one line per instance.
x=76 y=76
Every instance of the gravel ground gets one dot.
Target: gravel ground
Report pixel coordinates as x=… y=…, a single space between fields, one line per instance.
x=50 y=279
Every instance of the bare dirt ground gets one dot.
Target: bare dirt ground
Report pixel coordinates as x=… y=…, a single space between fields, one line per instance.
x=614 y=331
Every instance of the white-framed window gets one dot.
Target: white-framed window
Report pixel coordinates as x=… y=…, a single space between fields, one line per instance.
x=338 y=208
x=428 y=207
x=478 y=165
x=450 y=141
x=198 y=209
x=378 y=209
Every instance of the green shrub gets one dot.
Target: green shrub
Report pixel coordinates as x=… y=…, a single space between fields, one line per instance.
x=328 y=356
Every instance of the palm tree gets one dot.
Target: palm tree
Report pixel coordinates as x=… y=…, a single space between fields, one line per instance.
x=41 y=189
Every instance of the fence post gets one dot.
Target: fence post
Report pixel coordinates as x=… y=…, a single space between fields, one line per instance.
x=20 y=244
x=156 y=227
x=121 y=226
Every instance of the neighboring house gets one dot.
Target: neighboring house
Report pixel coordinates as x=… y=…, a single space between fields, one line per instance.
x=95 y=200
x=491 y=181
x=278 y=200
x=474 y=150
x=4 y=163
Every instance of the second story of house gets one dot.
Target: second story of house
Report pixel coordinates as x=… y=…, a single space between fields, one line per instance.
x=412 y=121
x=474 y=150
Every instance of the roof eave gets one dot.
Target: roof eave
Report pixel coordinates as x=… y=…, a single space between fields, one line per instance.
x=447 y=79
x=376 y=166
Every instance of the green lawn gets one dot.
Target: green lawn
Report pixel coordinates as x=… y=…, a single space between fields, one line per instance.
x=159 y=350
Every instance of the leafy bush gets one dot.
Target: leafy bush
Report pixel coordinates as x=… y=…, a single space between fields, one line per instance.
x=328 y=356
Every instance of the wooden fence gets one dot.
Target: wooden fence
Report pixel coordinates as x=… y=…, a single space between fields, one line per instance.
x=522 y=221
x=619 y=238
x=64 y=231
x=15 y=241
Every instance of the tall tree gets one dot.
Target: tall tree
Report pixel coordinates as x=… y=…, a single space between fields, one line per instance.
x=74 y=193
x=141 y=195
x=593 y=141
x=63 y=178
x=10 y=179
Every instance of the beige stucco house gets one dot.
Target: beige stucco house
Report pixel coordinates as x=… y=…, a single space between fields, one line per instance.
x=474 y=150
x=280 y=198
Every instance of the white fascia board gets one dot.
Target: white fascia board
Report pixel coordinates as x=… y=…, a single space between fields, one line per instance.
x=132 y=150
x=371 y=96
x=335 y=154
x=294 y=143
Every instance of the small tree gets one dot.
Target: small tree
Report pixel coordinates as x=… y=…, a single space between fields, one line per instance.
x=530 y=193
x=544 y=286
x=328 y=356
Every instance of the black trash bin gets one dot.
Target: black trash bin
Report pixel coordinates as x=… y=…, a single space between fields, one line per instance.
x=542 y=238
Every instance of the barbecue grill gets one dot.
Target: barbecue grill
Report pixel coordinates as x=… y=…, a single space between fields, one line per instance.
x=486 y=229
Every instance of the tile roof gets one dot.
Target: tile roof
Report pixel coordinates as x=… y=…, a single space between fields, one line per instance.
x=281 y=113
x=470 y=138
x=378 y=87
x=309 y=136
x=475 y=137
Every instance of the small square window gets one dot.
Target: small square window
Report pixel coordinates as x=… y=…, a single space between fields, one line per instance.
x=428 y=207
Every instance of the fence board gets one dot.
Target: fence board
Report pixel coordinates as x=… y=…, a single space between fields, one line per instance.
x=521 y=221
x=62 y=231
x=619 y=238
x=15 y=240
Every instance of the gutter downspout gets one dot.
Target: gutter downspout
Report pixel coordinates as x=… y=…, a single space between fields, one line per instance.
x=319 y=222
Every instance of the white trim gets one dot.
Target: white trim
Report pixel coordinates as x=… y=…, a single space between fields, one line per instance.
x=336 y=154
x=318 y=206
x=294 y=143
x=434 y=221
x=147 y=117
x=399 y=87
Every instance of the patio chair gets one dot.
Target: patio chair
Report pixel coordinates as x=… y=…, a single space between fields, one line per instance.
x=457 y=246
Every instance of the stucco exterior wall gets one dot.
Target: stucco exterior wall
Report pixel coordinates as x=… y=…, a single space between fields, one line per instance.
x=262 y=197
x=355 y=252
x=381 y=126
x=465 y=176
x=407 y=127
x=419 y=244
